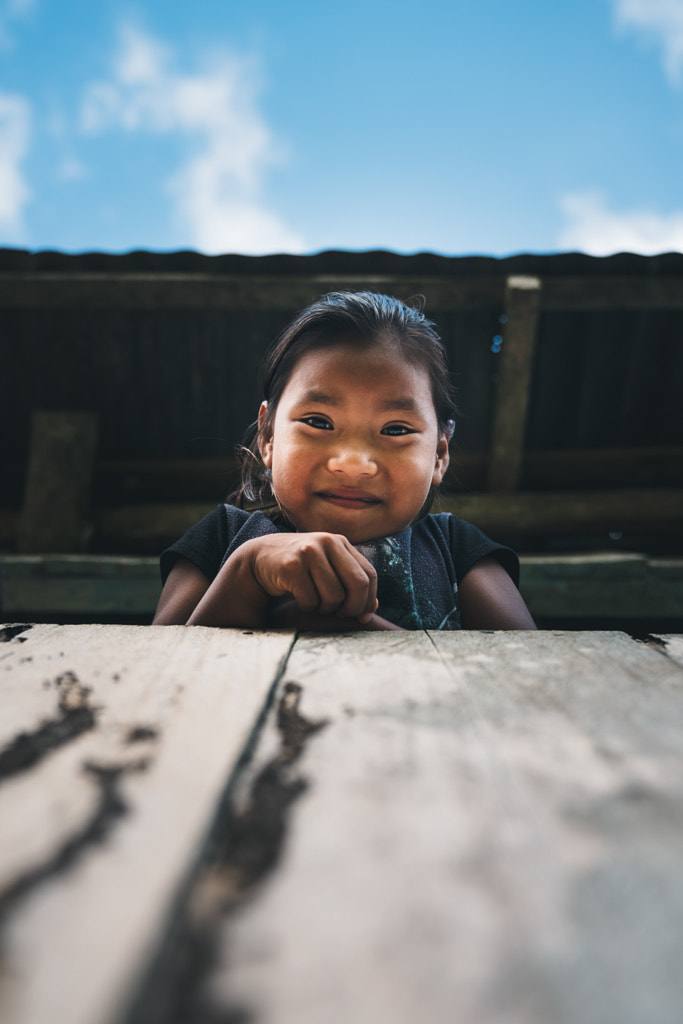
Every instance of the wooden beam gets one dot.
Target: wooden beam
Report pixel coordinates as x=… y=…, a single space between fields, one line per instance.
x=124 y=482
x=90 y=586
x=250 y=291
x=616 y=584
x=612 y=294
x=576 y=469
x=159 y=523
x=522 y=303
x=246 y=292
x=570 y=511
x=528 y=513
x=56 y=513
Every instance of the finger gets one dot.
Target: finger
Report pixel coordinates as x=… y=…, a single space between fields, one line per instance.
x=358 y=578
x=371 y=603
x=308 y=576
x=304 y=591
x=330 y=587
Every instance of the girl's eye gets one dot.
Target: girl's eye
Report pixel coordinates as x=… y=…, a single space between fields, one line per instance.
x=319 y=422
x=397 y=430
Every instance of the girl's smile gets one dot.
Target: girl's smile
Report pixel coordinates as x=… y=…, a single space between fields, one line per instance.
x=355 y=445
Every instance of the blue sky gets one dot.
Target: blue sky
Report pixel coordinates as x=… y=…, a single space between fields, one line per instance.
x=441 y=125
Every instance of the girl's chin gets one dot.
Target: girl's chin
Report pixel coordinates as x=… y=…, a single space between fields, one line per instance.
x=355 y=534
x=358 y=525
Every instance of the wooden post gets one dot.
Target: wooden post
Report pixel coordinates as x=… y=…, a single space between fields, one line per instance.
x=56 y=516
x=522 y=302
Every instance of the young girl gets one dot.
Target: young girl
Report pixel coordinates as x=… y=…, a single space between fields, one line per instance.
x=352 y=439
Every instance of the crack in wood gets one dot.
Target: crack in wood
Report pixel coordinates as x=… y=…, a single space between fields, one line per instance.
x=75 y=717
x=243 y=850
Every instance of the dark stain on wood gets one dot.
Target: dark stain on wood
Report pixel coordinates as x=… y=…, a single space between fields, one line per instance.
x=110 y=808
x=75 y=716
x=13 y=632
x=243 y=850
x=141 y=733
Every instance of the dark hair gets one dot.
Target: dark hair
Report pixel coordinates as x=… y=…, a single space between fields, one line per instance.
x=355 y=317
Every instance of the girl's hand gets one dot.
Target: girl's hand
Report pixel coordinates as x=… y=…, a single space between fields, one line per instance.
x=286 y=614
x=323 y=572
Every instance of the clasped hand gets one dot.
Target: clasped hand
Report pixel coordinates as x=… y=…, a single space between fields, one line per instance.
x=322 y=572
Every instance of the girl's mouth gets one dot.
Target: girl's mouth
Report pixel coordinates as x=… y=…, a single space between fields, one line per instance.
x=344 y=498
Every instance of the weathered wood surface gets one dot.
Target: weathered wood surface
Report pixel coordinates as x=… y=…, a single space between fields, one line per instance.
x=117 y=746
x=492 y=830
x=471 y=827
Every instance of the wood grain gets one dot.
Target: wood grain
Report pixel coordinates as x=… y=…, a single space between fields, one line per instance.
x=492 y=830
x=104 y=817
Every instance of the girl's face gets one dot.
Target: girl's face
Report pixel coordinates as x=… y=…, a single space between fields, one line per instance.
x=355 y=445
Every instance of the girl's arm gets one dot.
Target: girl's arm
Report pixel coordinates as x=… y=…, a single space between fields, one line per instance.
x=322 y=572
x=183 y=590
x=490 y=600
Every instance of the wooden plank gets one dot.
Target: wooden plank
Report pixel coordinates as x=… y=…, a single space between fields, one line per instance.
x=192 y=479
x=570 y=586
x=547 y=512
x=584 y=468
x=122 y=482
x=522 y=305
x=89 y=585
x=542 y=512
x=151 y=525
x=117 y=744
x=224 y=291
x=613 y=293
x=606 y=584
x=490 y=829
x=56 y=513
x=283 y=291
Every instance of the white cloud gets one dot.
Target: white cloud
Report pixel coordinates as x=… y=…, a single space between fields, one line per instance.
x=216 y=191
x=15 y=119
x=593 y=228
x=658 y=20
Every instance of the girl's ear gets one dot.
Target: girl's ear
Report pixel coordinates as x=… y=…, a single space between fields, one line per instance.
x=442 y=460
x=265 y=446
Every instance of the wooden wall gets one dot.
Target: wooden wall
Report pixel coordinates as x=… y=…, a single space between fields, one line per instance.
x=576 y=414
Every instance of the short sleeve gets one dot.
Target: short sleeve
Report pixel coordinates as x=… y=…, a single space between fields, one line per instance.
x=206 y=542
x=468 y=545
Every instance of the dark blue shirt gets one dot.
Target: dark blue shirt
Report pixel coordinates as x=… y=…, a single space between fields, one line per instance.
x=418 y=570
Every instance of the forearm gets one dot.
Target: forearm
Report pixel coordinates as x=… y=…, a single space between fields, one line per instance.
x=234 y=598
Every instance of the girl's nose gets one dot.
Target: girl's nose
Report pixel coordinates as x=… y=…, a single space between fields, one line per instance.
x=353 y=461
